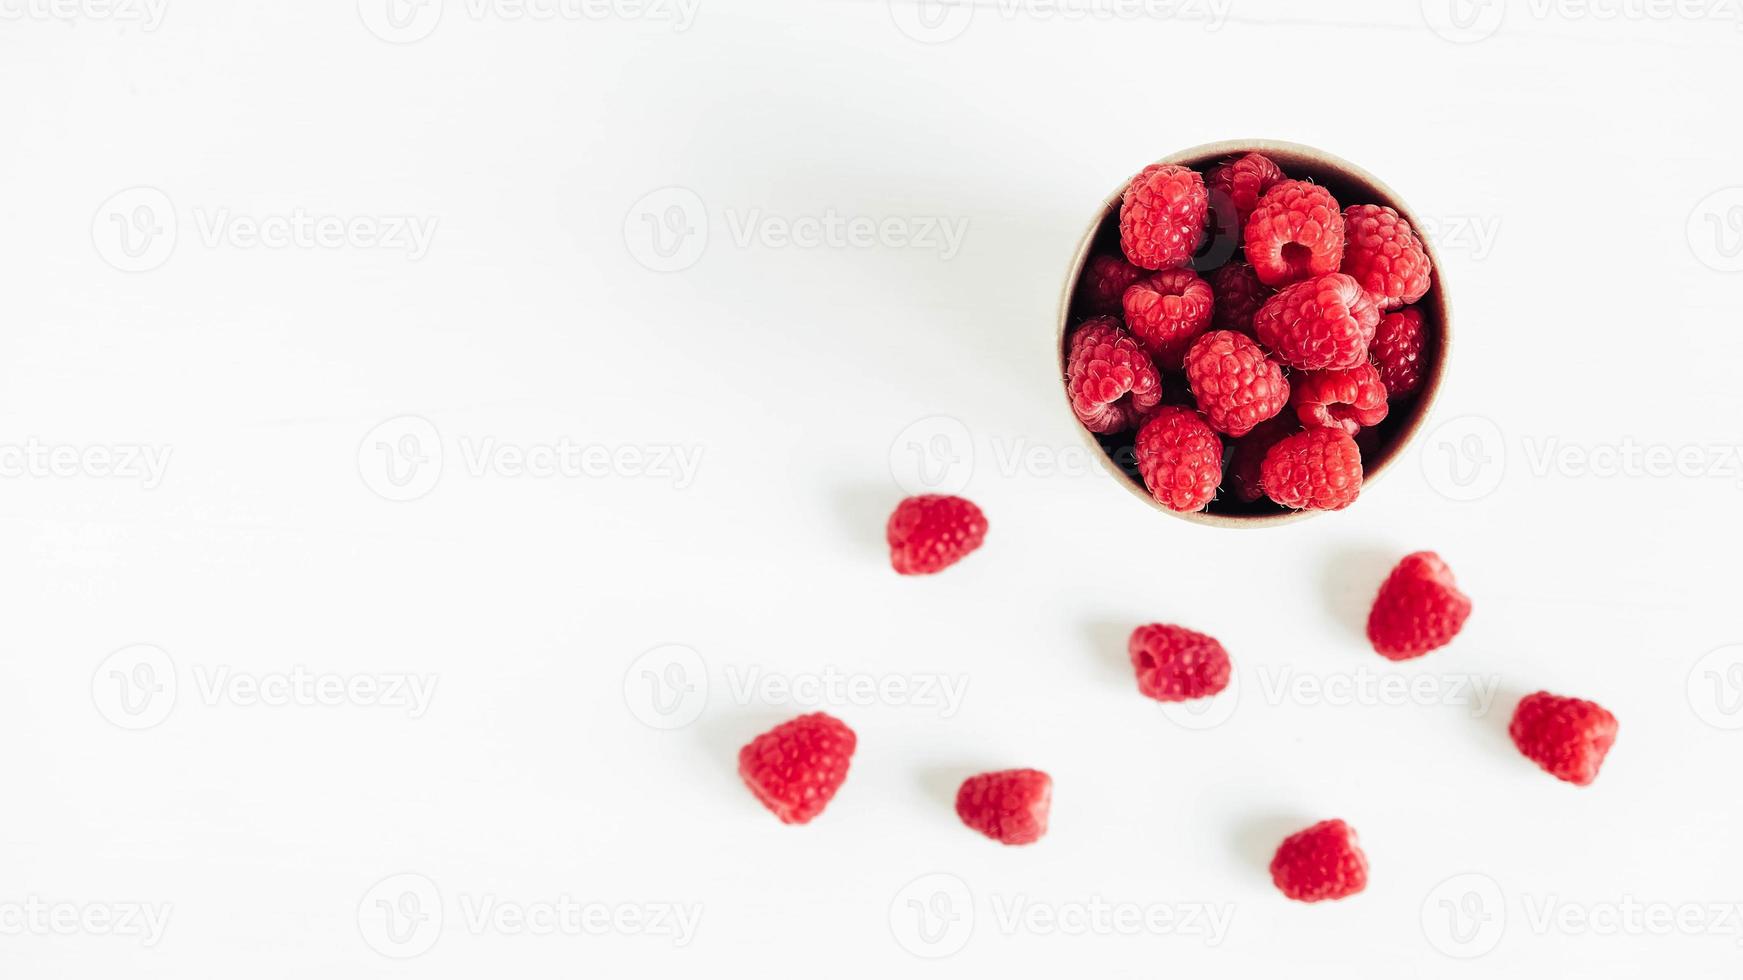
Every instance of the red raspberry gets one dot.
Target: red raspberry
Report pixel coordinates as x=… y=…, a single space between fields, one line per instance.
x=1239 y=295
x=1166 y=312
x=1162 y=215
x=1397 y=350
x=1244 y=181
x=1111 y=380
x=1321 y=323
x=1177 y=664
x=1319 y=863
x=1297 y=231
x=1009 y=806
x=1347 y=398
x=1249 y=456
x=1566 y=736
x=1419 y=608
x=1180 y=459
x=932 y=532
x=1104 y=281
x=795 y=767
x=1383 y=254
x=1236 y=385
x=1318 y=469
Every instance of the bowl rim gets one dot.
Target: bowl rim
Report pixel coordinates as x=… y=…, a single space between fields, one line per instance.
x=1437 y=302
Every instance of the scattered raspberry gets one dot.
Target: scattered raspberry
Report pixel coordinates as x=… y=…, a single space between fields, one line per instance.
x=1236 y=385
x=1239 y=295
x=1383 y=254
x=1244 y=181
x=1297 y=231
x=1566 y=736
x=1249 y=456
x=1105 y=278
x=1321 y=323
x=1177 y=664
x=932 y=532
x=1009 y=806
x=1319 y=863
x=1397 y=350
x=1162 y=215
x=1318 y=469
x=1350 y=399
x=1111 y=380
x=1419 y=608
x=1166 y=312
x=796 y=767
x=1180 y=459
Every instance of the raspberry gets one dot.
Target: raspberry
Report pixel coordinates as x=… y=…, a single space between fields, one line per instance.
x=1104 y=281
x=1419 y=608
x=795 y=767
x=1319 y=863
x=1297 y=231
x=1111 y=380
x=1321 y=323
x=1383 y=254
x=1318 y=469
x=1397 y=350
x=1009 y=806
x=1177 y=664
x=1249 y=455
x=1244 y=181
x=932 y=532
x=1239 y=295
x=1566 y=736
x=1166 y=312
x=1347 y=398
x=1237 y=387
x=1162 y=215
x=1180 y=459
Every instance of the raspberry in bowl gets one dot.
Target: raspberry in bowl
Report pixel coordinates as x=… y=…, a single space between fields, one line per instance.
x=1251 y=333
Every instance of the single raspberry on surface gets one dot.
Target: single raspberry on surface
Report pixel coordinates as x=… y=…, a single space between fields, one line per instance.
x=932 y=532
x=1383 y=254
x=1180 y=458
x=1315 y=469
x=1321 y=323
x=1162 y=215
x=1244 y=180
x=1246 y=479
x=1105 y=279
x=796 y=767
x=1296 y=232
x=1419 y=608
x=1239 y=294
x=1320 y=863
x=1009 y=806
x=1176 y=664
x=1397 y=351
x=1166 y=312
x=1568 y=737
x=1112 y=382
x=1350 y=399
x=1236 y=385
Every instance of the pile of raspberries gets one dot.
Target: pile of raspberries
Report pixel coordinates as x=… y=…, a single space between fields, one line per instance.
x=1250 y=316
x=797 y=767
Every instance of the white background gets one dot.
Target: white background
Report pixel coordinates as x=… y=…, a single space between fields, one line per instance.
x=1569 y=155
